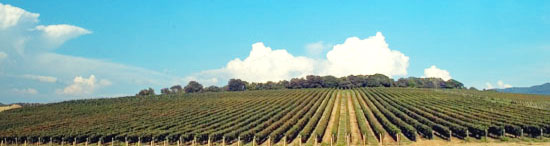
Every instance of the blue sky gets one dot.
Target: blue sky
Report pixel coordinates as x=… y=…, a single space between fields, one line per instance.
x=130 y=45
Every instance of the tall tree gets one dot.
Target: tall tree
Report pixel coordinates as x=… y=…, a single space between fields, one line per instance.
x=283 y=84
x=330 y=81
x=192 y=87
x=176 y=89
x=297 y=83
x=165 y=91
x=313 y=81
x=344 y=83
x=213 y=89
x=236 y=85
x=454 y=84
x=357 y=81
x=379 y=80
x=146 y=92
x=402 y=82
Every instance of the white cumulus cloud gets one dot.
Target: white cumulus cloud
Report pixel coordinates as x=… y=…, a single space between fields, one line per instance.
x=365 y=56
x=28 y=91
x=264 y=64
x=47 y=79
x=11 y=16
x=82 y=85
x=355 y=56
x=434 y=72
x=500 y=84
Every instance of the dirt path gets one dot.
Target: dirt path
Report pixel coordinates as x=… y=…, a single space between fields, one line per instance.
x=386 y=139
x=355 y=133
x=419 y=138
x=455 y=139
x=326 y=136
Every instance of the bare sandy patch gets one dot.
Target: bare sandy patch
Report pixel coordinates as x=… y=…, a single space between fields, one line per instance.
x=9 y=107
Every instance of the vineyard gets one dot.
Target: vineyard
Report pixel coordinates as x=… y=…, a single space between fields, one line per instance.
x=359 y=116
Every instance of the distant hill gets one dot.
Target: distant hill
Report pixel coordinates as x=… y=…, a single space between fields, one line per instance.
x=543 y=89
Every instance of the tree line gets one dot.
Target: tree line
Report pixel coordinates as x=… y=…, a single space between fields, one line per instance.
x=313 y=81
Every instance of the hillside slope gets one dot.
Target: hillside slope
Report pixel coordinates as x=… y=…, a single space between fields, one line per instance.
x=398 y=115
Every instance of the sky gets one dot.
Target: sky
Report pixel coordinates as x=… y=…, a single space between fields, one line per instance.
x=56 y=50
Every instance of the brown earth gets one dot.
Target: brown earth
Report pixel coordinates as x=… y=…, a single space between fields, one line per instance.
x=355 y=133
x=327 y=135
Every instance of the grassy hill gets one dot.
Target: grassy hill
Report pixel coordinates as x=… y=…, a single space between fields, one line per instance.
x=370 y=115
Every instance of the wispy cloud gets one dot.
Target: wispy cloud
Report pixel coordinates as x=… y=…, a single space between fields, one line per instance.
x=27 y=53
x=26 y=91
x=47 y=79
